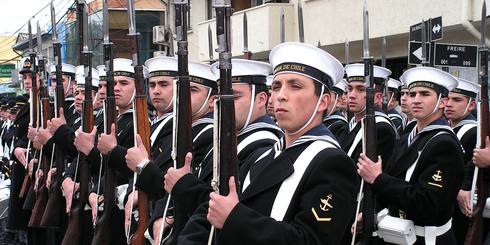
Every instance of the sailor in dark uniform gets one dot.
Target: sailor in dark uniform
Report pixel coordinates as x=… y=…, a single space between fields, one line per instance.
x=422 y=181
x=301 y=190
x=386 y=132
x=405 y=104
x=335 y=120
x=461 y=102
x=203 y=88
x=114 y=145
x=255 y=131
x=17 y=217
x=394 y=96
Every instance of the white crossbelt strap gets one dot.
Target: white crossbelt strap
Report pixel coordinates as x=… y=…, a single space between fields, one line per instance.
x=155 y=133
x=246 y=182
x=289 y=186
x=202 y=131
x=408 y=174
x=359 y=134
x=259 y=135
x=430 y=233
x=465 y=128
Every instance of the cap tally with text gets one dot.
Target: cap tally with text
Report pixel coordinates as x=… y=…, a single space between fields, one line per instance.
x=355 y=73
x=436 y=79
x=307 y=60
x=246 y=71
x=200 y=73
x=162 y=66
x=467 y=88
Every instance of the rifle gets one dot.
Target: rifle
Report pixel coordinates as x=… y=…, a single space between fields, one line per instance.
x=75 y=225
x=42 y=191
x=102 y=227
x=182 y=120
x=246 y=53
x=33 y=107
x=368 y=140
x=55 y=210
x=142 y=125
x=225 y=161
x=474 y=235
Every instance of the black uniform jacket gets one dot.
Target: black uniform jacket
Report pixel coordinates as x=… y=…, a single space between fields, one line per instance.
x=428 y=197
x=468 y=141
x=397 y=120
x=17 y=217
x=385 y=132
x=336 y=123
x=191 y=190
x=318 y=210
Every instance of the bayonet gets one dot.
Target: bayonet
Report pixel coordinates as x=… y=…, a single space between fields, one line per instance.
x=54 y=36
x=246 y=53
x=346 y=52
x=39 y=40
x=29 y=29
x=282 y=27
x=300 y=23
x=383 y=52
x=210 y=44
x=105 y=21
x=365 y=40
x=423 y=33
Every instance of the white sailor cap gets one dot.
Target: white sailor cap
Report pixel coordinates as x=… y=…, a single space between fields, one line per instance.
x=246 y=71
x=201 y=73
x=102 y=73
x=307 y=60
x=341 y=87
x=123 y=67
x=26 y=65
x=162 y=66
x=355 y=73
x=66 y=69
x=394 y=84
x=436 y=79
x=467 y=88
x=80 y=77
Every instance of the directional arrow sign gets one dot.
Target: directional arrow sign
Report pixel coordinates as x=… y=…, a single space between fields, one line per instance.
x=415 y=52
x=458 y=55
x=433 y=27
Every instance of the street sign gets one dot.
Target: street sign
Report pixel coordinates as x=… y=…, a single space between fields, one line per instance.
x=415 y=52
x=459 y=55
x=433 y=28
x=6 y=69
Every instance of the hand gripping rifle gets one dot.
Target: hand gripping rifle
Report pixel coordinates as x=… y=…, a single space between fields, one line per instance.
x=33 y=107
x=141 y=125
x=225 y=161
x=368 y=140
x=474 y=235
x=76 y=226
x=103 y=226
x=55 y=210
x=182 y=121
x=42 y=191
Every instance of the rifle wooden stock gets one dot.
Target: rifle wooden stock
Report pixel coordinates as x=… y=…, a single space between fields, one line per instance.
x=369 y=146
x=75 y=224
x=55 y=206
x=102 y=228
x=42 y=192
x=475 y=235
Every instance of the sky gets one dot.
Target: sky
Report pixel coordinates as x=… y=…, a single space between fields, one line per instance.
x=15 y=13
